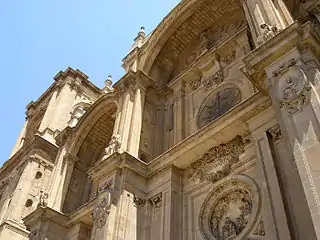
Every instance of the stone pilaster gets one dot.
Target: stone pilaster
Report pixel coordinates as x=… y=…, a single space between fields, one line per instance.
x=292 y=88
x=273 y=211
x=179 y=113
x=128 y=124
x=136 y=122
x=266 y=18
x=62 y=171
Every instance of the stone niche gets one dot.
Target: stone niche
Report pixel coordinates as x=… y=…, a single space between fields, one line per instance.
x=230 y=210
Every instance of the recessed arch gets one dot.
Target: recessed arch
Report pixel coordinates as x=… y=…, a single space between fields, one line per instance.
x=183 y=26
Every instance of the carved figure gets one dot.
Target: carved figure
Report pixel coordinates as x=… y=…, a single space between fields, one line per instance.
x=268 y=31
x=228 y=229
x=43 y=199
x=114 y=146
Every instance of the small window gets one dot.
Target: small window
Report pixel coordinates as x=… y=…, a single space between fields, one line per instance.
x=38 y=175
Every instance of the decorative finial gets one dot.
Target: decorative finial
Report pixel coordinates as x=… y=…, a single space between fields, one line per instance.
x=108 y=82
x=142 y=33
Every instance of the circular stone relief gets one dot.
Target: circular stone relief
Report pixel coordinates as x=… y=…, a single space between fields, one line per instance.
x=291 y=85
x=230 y=210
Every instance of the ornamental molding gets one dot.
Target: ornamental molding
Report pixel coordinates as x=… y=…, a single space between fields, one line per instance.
x=217 y=163
x=230 y=211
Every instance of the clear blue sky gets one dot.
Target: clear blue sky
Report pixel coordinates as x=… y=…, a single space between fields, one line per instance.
x=41 y=37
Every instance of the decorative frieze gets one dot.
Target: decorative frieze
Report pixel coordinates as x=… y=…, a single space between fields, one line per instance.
x=156 y=201
x=218 y=161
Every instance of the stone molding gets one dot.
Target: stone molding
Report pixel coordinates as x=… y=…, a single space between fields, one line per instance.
x=217 y=162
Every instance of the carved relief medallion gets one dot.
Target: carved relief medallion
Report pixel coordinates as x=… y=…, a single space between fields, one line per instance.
x=293 y=87
x=229 y=212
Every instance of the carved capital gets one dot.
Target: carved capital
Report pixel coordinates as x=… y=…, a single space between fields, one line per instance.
x=275 y=133
x=156 y=201
x=138 y=202
x=63 y=137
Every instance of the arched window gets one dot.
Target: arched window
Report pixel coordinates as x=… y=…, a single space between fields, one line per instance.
x=218 y=104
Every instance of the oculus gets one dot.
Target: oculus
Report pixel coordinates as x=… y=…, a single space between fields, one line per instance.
x=218 y=104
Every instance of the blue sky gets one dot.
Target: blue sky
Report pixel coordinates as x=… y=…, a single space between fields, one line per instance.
x=39 y=38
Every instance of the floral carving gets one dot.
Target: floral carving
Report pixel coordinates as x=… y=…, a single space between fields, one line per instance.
x=218 y=161
x=195 y=83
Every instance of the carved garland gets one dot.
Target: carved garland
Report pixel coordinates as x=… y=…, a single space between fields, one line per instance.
x=218 y=161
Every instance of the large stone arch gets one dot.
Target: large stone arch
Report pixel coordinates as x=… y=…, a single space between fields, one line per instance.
x=92 y=136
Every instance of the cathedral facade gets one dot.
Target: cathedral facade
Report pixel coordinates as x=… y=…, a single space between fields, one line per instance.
x=211 y=134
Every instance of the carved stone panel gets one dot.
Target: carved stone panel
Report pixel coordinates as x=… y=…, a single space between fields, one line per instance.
x=217 y=162
x=230 y=211
x=218 y=104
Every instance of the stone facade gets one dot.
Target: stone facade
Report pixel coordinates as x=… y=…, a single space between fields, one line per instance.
x=212 y=133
